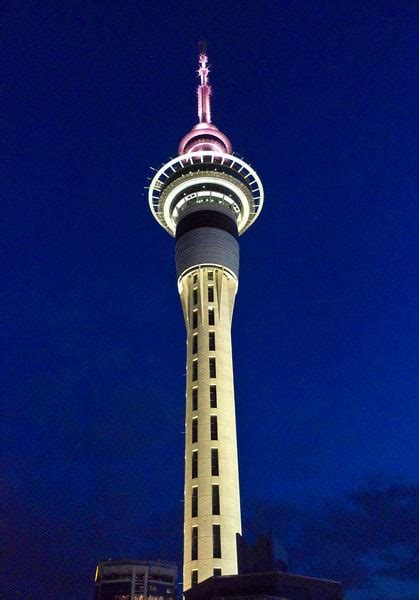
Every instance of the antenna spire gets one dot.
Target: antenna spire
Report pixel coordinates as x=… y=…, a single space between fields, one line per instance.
x=204 y=88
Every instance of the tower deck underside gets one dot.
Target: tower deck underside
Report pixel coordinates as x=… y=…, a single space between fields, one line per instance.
x=212 y=500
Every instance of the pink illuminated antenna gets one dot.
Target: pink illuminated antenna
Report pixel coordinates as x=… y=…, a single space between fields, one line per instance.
x=204 y=136
x=204 y=88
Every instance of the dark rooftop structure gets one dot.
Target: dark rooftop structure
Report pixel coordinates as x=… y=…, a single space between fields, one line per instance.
x=265 y=586
x=260 y=557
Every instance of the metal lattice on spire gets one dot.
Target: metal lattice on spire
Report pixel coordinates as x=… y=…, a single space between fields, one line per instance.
x=204 y=88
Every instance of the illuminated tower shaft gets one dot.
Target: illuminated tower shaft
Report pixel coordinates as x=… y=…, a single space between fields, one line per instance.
x=212 y=501
x=206 y=198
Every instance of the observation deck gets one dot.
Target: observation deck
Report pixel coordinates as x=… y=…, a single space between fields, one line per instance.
x=205 y=177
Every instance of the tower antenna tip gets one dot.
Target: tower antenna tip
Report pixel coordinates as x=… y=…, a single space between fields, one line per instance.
x=202 y=47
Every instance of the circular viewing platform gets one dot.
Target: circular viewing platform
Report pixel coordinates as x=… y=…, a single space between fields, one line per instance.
x=210 y=177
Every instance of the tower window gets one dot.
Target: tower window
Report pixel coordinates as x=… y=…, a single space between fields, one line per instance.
x=215 y=470
x=215 y=499
x=195 y=277
x=195 y=344
x=194 y=464
x=211 y=340
x=212 y=367
x=194 y=430
x=195 y=296
x=194 y=501
x=214 y=428
x=213 y=396
x=210 y=275
x=216 y=572
x=195 y=370
x=194 y=543
x=211 y=318
x=194 y=579
x=210 y=293
x=216 y=541
x=194 y=398
x=194 y=319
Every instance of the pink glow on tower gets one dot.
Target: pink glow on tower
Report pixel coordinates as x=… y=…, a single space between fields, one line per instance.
x=204 y=136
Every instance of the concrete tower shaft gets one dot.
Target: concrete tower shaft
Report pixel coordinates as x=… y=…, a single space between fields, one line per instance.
x=206 y=198
x=212 y=500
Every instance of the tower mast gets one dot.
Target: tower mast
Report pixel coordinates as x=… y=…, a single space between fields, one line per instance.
x=206 y=198
x=204 y=88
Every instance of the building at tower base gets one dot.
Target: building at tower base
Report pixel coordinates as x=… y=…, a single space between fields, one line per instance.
x=265 y=586
x=126 y=579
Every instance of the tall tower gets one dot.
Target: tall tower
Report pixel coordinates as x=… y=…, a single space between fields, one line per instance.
x=206 y=198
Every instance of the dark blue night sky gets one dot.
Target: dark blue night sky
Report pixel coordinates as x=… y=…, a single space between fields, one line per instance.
x=321 y=98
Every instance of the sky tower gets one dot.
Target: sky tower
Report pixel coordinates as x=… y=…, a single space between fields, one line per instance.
x=206 y=198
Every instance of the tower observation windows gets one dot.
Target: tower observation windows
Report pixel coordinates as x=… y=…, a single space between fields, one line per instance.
x=214 y=427
x=194 y=511
x=215 y=499
x=195 y=398
x=194 y=430
x=195 y=343
x=210 y=275
x=211 y=316
x=217 y=572
x=194 y=543
x=216 y=541
x=194 y=579
x=194 y=464
x=194 y=319
x=215 y=469
x=194 y=370
x=212 y=367
x=213 y=396
x=210 y=293
x=195 y=296
x=211 y=341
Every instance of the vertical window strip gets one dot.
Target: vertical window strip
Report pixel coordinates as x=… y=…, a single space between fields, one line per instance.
x=213 y=396
x=215 y=499
x=210 y=293
x=194 y=543
x=194 y=430
x=212 y=367
x=214 y=427
x=194 y=507
x=194 y=319
x=194 y=370
x=211 y=340
x=195 y=343
x=215 y=467
x=216 y=541
x=194 y=579
x=211 y=316
x=195 y=398
x=194 y=464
